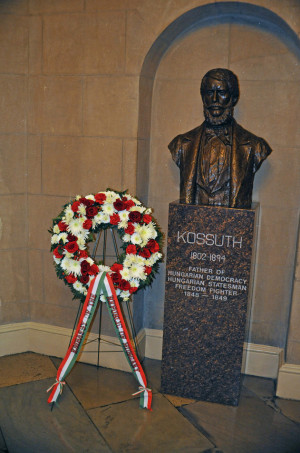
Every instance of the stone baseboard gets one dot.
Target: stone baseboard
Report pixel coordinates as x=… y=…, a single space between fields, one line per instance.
x=288 y=384
x=258 y=360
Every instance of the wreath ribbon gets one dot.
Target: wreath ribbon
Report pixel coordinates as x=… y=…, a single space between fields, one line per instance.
x=101 y=284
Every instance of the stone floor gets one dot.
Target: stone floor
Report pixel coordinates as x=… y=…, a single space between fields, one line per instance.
x=97 y=413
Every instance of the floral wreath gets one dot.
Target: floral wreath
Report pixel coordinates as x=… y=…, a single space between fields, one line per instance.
x=75 y=227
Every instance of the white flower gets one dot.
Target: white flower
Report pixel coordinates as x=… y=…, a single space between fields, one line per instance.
x=57 y=260
x=54 y=239
x=126 y=238
x=137 y=202
x=75 y=226
x=77 y=197
x=148 y=211
x=81 y=242
x=82 y=209
x=62 y=237
x=102 y=298
x=90 y=197
x=102 y=217
x=69 y=214
x=67 y=254
x=56 y=229
x=125 y=273
x=134 y=283
x=137 y=271
x=124 y=215
x=90 y=261
x=66 y=264
x=75 y=267
x=79 y=287
x=111 y=196
x=145 y=232
x=125 y=295
x=136 y=238
x=129 y=260
x=103 y=268
x=123 y=224
x=137 y=208
x=108 y=208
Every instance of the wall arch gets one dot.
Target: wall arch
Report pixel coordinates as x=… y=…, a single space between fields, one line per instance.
x=181 y=31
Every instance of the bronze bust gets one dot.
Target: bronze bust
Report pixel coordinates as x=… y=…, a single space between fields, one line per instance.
x=218 y=160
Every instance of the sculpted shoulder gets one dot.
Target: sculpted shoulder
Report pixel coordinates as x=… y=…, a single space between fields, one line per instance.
x=187 y=136
x=245 y=136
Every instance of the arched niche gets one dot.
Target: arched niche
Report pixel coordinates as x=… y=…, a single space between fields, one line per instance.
x=263 y=51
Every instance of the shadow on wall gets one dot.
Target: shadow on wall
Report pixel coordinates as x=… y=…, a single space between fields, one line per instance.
x=258 y=46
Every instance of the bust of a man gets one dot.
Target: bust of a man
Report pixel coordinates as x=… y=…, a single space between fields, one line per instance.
x=218 y=160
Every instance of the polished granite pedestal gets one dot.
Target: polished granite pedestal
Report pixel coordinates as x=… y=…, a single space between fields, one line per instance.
x=206 y=301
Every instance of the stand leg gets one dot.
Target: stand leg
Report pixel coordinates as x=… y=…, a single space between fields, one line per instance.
x=76 y=320
x=133 y=332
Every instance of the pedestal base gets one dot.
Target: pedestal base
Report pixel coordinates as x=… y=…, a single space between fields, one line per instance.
x=207 y=283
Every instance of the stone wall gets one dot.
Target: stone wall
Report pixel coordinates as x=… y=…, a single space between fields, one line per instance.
x=72 y=117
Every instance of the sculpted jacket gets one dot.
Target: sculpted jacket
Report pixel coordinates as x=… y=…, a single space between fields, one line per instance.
x=247 y=154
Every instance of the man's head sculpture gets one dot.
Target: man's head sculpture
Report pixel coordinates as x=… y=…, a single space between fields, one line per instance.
x=220 y=93
x=218 y=160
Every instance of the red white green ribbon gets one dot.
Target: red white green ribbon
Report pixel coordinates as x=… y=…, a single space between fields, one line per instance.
x=102 y=284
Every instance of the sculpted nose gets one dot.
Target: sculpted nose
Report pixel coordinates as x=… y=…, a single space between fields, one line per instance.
x=215 y=96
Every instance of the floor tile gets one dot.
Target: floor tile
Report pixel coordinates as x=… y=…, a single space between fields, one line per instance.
x=252 y=427
x=96 y=386
x=26 y=367
x=290 y=409
x=262 y=387
x=127 y=428
x=29 y=426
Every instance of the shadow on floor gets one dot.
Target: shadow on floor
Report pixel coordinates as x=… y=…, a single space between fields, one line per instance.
x=97 y=413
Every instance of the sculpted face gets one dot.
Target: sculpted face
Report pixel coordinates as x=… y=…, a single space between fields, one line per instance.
x=217 y=102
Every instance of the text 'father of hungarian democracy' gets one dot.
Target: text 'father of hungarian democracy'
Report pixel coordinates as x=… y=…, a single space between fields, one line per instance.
x=218 y=160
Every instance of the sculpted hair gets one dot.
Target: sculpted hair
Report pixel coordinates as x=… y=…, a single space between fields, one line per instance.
x=223 y=74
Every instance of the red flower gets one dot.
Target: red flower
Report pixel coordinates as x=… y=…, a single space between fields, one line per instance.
x=116 y=267
x=119 y=205
x=62 y=226
x=114 y=219
x=91 y=211
x=71 y=247
x=85 y=267
x=100 y=198
x=87 y=224
x=116 y=277
x=57 y=253
x=129 y=204
x=71 y=278
x=147 y=218
x=145 y=253
x=135 y=216
x=75 y=206
x=133 y=289
x=131 y=249
x=85 y=201
x=130 y=229
x=85 y=279
x=94 y=270
x=124 y=285
x=83 y=254
x=153 y=246
x=71 y=237
x=148 y=270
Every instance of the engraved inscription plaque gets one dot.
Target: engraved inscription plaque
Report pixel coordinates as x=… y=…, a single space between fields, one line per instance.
x=207 y=286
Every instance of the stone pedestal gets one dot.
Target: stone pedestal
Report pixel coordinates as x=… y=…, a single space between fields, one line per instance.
x=207 y=285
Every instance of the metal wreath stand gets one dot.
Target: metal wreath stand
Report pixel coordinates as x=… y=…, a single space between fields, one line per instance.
x=131 y=331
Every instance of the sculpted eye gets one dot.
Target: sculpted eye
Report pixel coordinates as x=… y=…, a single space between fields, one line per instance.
x=222 y=92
